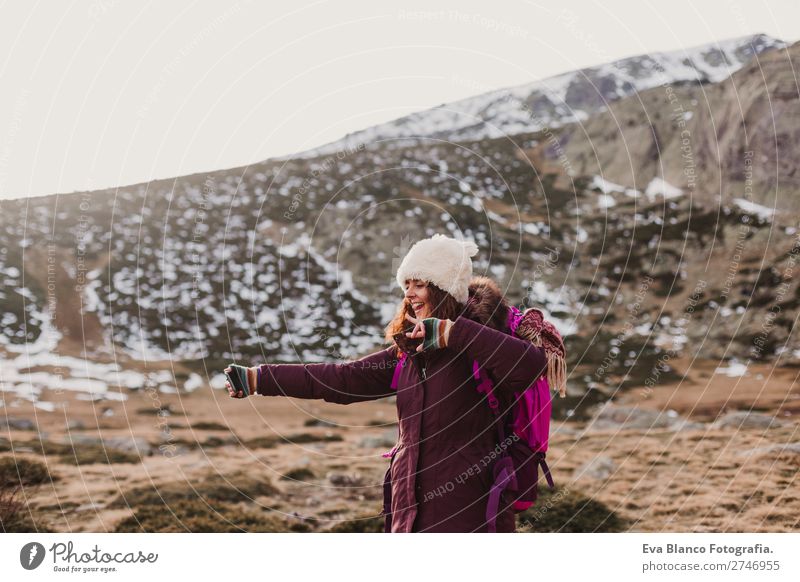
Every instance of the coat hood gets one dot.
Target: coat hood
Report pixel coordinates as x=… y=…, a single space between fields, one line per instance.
x=486 y=303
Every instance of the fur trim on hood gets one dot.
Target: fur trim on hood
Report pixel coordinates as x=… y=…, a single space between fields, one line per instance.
x=486 y=303
x=488 y=306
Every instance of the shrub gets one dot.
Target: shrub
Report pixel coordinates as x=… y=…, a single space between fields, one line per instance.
x=298 y=474
x=209 y=426
x=21 y=472
x=364 y=524
x=91 y=454
x=268 y=442
x=569 y=512
x=231 y=488
x=15 y=476
x=196 y=515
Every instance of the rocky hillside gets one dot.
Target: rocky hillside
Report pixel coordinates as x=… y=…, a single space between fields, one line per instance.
x=732 y=140
x=293 y=260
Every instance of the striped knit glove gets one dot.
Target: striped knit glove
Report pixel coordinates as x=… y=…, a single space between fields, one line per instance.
x=437 y=332
x=241 y=382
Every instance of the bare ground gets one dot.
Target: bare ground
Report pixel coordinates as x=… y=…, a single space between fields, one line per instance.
x=691 y=480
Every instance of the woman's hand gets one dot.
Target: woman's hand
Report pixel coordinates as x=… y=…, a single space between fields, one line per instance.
x=252 y=377
x=435 y=332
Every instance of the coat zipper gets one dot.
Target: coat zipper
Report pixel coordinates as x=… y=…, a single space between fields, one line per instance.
x=422 y=367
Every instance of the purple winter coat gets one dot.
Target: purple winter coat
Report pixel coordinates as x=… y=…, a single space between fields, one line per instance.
x=442 y=468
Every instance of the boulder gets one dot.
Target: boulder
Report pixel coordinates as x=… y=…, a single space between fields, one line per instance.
x=599 y=468
x=386 y=439
x=344 y=480
x=616 y=417
x=12 y=423
x=792 y=448
x=746 y=419
x=135 y=445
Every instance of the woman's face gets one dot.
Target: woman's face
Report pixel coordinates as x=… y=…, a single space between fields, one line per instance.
x=417 y=295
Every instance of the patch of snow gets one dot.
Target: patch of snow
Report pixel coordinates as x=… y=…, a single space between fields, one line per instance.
x=606 y=201
x=660 y=187
x=733 y=370
x=762 y=212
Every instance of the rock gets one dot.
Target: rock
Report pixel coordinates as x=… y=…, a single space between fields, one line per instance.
x=615 y=417
x=90 y=507
x=320 y=422
x=745 y=419
x=75 y=425
x=793 y=448
x=136 y=445
x=600 y=468
x=11 y=423
x=344 y=480
x=386 y=439
x=562 y=430
x=686 y=424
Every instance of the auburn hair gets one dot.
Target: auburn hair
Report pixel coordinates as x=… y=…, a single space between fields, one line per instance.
x=445 y=306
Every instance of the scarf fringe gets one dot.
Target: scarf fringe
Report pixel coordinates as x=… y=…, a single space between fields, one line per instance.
x=556 y=363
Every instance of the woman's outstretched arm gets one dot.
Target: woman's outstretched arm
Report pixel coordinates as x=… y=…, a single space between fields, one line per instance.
x=342 y=382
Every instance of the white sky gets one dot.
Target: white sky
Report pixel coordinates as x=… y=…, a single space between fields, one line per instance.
x=110 y=92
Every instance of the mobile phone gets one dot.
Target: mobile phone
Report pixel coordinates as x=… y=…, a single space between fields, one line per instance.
x=405 y=343
x=238 y=378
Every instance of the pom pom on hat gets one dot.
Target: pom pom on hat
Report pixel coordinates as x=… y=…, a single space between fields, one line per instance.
x=446 y=262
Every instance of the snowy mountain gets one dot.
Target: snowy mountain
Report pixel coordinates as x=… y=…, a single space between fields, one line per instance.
x=293 y=260
x=560 y=100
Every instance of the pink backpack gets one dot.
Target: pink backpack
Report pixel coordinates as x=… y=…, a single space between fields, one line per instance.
x=517 y=468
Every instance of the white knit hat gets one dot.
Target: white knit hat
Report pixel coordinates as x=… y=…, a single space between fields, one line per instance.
x=440 y=260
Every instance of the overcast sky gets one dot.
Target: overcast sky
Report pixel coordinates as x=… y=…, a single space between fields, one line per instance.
x=109 y=92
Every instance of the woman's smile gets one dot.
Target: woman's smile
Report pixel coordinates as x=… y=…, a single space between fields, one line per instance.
x=417 y=295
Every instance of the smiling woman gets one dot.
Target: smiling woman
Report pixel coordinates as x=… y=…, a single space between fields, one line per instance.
x=452 y=469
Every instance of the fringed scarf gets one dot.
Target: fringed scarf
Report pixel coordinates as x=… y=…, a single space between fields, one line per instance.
x=532 y=326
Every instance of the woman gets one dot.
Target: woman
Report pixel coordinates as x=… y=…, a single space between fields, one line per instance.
x=438 y=478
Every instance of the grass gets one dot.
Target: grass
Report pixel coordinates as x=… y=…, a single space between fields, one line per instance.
x=197 y=516
x=268 y=442
x=82 y=454
x=364 y=524
x=15 y=476
x=299 y=474
x=569 y=512
x=232 y=488
x=217 y=503
x=209 y=426
x=22 y=472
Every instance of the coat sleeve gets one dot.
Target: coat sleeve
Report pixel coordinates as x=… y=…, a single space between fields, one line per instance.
x=341 y=382
x=513 y=363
